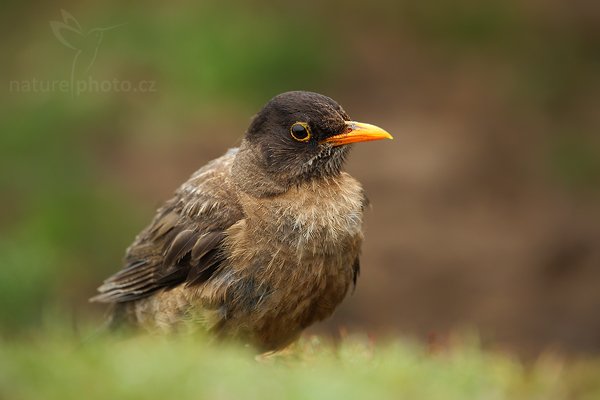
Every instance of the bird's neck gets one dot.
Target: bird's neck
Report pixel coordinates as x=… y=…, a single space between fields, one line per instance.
x=250 y=176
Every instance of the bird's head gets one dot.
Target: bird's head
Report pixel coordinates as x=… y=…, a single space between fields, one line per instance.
x=299 y=136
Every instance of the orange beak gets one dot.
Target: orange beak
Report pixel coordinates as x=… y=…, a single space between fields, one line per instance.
x=358 y=132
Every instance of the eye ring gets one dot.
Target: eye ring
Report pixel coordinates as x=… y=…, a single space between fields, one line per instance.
x=300 y=131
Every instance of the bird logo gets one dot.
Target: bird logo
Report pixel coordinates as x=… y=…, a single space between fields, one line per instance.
x=85 y=44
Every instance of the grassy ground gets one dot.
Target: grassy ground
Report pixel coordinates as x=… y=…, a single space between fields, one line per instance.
x=63 y=367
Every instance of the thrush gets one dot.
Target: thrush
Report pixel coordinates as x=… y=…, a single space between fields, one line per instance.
x=260 y=243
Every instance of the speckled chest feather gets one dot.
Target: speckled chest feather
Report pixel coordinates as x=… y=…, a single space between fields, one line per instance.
x=292 y=260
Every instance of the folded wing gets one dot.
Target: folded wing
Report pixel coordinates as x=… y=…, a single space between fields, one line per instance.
x=184 y=243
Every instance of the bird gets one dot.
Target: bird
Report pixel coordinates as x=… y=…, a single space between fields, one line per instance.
x=260 y=243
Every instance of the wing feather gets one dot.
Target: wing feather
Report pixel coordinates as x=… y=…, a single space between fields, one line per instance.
x=183 y=244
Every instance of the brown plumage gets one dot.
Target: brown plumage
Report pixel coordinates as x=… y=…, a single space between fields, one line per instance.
x=259 y=243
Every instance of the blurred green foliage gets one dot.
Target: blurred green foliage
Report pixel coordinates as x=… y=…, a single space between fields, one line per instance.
x=59 y=367
x=576 y=161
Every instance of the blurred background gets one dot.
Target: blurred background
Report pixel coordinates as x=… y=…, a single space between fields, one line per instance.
x=486 y=211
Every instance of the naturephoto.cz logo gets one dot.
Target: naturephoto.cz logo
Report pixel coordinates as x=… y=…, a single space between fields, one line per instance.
x=79 y=86
x=85 y=45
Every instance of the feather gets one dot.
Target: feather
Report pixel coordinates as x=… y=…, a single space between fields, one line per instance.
x=181 y=245
x=206 y=267
x=166 y=222
x=355 y=271
x=205 y=244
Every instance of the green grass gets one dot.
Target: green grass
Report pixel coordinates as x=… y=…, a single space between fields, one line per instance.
x=56 y=366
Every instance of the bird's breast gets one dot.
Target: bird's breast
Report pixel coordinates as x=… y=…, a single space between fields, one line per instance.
x=291 y=259
x=317 y=217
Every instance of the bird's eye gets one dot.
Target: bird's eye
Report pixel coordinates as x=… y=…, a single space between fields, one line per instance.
x=300 y=131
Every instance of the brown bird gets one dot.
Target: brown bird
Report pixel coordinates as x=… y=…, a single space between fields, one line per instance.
x=260 y=243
